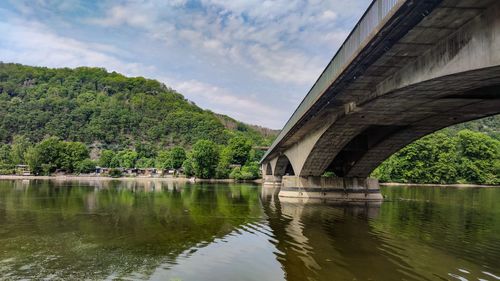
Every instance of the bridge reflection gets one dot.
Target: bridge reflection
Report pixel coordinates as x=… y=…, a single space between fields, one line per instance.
x=331 y=240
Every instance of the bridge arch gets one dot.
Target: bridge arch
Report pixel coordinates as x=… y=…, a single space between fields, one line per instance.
x=284 y=166
x=269 y=169
x=404 y=81
x=357 y=143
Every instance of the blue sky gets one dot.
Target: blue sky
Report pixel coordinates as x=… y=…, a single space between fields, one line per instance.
x=253 y=60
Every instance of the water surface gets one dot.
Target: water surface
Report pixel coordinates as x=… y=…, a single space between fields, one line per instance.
x=153 y=230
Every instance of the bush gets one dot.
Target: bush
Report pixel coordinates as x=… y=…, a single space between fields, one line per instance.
x=247 y=172
x=115 y=173
x=7 y=171
x=328 y=174
x=187 y=165
x=250 y=171
x=235 y=173
x=85 y=166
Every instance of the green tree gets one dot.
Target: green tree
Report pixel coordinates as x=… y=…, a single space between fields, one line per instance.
x=5 y=154
x=428 y=160
x=85 y=166
x=187 y=165
x=178 y=155
x=256 y=155
x=126 y=158
x=72 y=153
x=251 y=170
x=240 y=148
x=106 y=158
x=145 y=150
x=479 y=158
x=236 y=173
x=34 y=160
x=145 y=163
x=49 y=151
x=205 y=156
x=223 y=167
x=20 y=145
x=444 y=157
x=164 y=159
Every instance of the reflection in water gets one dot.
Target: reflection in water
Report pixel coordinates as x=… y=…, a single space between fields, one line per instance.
x=418 y=234
x=162 y=230
x=323 y=240
x=63 y=229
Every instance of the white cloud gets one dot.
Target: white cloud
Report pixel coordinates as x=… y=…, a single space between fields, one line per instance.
x=327 y=15
x=33 y=43
x=274 y=38
x=251 y=59
x=220 y=100
x=119 y=15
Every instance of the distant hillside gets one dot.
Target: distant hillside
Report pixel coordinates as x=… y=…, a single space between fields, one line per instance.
x=488 y=125
x=107 y=110
x=232 y=124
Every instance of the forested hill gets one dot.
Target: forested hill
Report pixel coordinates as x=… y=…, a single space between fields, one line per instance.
x=464 y=153
x=106 y=110
x=488 y=125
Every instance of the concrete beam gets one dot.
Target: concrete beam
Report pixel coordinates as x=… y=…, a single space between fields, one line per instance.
x=475 y=45
x=271 y=181
x=341 y=189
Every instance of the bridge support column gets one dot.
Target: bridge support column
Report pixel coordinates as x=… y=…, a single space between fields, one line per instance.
x=271 y=181
x=342 y=189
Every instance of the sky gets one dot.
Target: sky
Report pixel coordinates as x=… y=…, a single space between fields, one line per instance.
x=253 y=60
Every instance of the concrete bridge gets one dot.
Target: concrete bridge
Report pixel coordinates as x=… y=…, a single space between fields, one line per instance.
x=408 y=68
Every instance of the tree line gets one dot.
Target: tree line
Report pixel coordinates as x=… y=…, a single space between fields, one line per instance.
x=107 y=109
x=206 y=159
x=98 y=118
x=445 y=157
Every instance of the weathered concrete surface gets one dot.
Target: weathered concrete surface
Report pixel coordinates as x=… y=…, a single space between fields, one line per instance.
x=271 y=181
x=444 y=69
x=343 y=189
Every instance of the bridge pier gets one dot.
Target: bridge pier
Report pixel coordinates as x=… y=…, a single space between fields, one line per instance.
x=271 y=181
x=342 y=189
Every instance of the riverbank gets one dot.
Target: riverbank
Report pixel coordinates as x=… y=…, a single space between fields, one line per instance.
x=101 y=178
x=182 y=179
x=456 y=185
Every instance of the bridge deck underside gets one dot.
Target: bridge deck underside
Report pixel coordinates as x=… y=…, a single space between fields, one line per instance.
x=357 y=143
x=368 y=121
x=395 y=45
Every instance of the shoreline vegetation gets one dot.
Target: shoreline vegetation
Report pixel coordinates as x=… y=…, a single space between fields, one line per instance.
x=238 y=160
x=86 y=120
x=138 y=178
x=454 y=185
x=198 y=180
x=75 y=120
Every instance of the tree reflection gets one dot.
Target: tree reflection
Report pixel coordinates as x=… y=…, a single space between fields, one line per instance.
x=112 y=228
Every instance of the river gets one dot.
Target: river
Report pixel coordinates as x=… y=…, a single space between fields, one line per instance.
x=156 y=230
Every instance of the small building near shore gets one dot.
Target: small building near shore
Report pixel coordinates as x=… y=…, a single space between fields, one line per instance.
x=23 y=170
x=101 y=170
x=147 y=172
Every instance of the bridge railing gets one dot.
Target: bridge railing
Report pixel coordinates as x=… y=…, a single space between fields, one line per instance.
x=374 y=18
